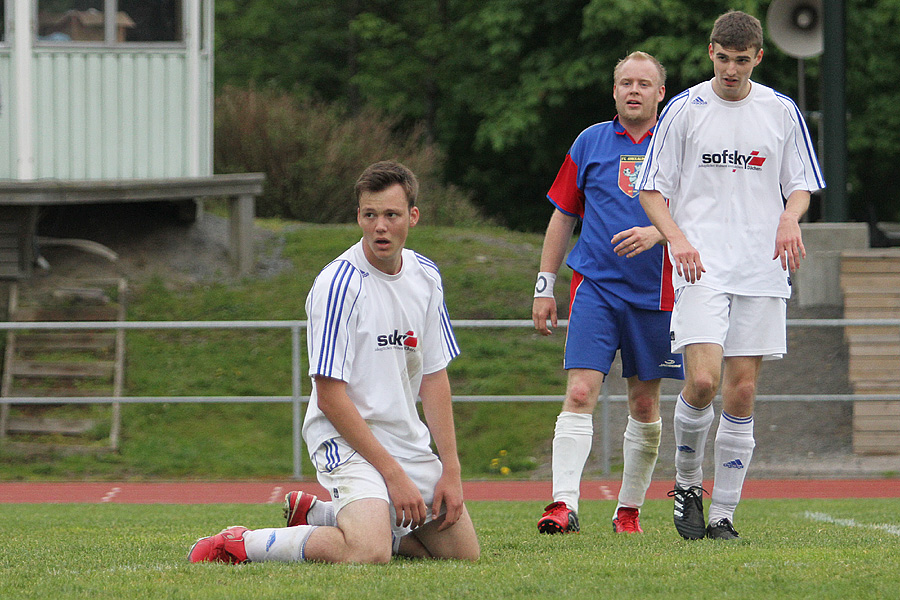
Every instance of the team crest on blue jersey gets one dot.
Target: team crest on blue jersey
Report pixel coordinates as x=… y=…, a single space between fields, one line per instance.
x=629 y=167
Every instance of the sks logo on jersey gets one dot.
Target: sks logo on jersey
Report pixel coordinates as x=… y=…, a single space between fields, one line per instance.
x=404 y=341
x=629 y=167
x=734 y=160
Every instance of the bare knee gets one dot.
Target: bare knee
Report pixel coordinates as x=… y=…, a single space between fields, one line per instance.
x=644 y=408
x=579 y=398
x=701 y=389
x=739 y=398
x=582 y=391
x=744 y=391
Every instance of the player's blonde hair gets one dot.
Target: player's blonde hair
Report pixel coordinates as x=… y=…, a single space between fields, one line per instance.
x=638 y=55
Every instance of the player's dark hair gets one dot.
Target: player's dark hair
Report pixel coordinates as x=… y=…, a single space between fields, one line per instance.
x=382 y=175
x=736 y=30
x=638 y=55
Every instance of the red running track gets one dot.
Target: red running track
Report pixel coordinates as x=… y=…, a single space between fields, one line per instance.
x=256 y=492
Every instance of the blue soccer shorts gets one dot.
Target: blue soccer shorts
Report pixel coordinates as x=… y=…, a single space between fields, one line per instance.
x=601 y=324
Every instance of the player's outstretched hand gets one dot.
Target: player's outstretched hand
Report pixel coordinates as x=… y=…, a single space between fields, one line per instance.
x=631 y=242
x=541 y=310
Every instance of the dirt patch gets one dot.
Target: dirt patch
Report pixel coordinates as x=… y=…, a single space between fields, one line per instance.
x=150 y=239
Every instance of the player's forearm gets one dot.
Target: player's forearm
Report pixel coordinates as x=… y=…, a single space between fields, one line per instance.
x=654 y=204
x=556 y=241
x=797 y=204
x=437 y=405
x=339 y=409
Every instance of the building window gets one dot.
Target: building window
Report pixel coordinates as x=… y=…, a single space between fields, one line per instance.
x=63 y=21
x=154 y=20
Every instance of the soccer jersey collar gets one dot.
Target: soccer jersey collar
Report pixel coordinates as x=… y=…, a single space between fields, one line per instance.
x=620 y=130
x=373 y=270
x=734 y=103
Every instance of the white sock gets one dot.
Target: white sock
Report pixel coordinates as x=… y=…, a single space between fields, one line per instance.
x=733 y=450
x=321 y=513
x=572 y=441
x=691 y=430
x=640 y=450
x=281 y=544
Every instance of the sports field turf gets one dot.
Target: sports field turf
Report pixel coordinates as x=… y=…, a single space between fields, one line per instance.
x=790 y=549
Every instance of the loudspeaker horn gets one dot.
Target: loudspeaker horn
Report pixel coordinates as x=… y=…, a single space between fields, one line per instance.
x=796 y=27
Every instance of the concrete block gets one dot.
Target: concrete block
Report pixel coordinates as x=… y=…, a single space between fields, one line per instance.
x=818 y=280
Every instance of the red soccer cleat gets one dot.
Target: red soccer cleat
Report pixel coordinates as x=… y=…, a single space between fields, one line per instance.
x=558 y=518
x=296 y=507
x=227 y=546
x=627 y=520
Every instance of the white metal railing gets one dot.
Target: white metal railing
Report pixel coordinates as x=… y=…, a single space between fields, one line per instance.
x=297 y=399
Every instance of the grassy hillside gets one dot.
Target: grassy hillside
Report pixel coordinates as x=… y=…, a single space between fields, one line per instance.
x=488 y=274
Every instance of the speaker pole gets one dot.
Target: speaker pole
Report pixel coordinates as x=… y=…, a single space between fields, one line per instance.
x=834 y=112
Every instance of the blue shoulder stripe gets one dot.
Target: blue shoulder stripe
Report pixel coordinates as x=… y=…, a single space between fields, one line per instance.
x=334 y=313
x=427 y=263
x=447 y=336
x=676 y=104
x=797 y=117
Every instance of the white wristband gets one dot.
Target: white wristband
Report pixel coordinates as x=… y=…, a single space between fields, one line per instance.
x=544 y=286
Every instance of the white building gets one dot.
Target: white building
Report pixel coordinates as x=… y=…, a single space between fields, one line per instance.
x=108 y=100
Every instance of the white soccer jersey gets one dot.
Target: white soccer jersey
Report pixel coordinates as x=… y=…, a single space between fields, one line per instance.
x=726 y=168
x=379 y=333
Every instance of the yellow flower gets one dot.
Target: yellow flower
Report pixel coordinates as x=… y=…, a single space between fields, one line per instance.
x=503 y=453
x=505 y=471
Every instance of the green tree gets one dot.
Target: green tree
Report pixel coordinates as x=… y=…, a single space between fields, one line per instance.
x=300 y=45
x=504 y=86
x=873 y=126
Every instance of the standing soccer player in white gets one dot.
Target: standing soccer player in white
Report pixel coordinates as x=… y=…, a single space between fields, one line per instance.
x=621 y=296
x=379 y=337
x=735 y=161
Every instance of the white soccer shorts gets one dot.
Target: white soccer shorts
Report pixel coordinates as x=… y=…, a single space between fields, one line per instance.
x=741 y=325
x=349 y=477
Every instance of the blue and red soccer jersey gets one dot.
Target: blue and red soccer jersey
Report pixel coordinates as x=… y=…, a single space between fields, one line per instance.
x=596 y=184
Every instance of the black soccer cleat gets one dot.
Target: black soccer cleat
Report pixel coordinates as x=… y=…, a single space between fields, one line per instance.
x=689 y=521
x=722 y=530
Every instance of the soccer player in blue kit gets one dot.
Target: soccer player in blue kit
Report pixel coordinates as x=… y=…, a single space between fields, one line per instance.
x=620 y=299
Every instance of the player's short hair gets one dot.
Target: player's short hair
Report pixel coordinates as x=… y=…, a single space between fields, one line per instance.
x=736 y=30
x=382 y=175
x=638 y=55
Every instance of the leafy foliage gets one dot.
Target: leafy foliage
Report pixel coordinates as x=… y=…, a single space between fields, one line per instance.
x=312 y=154
x=504 y=86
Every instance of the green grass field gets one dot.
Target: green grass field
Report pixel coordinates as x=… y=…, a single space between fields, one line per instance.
x=790 y=549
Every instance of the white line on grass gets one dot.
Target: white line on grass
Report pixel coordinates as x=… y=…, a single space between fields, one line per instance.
x=826 y=518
